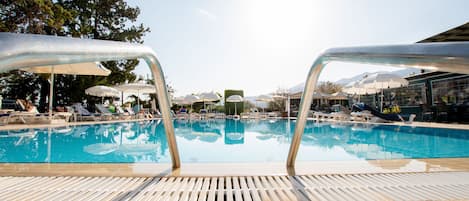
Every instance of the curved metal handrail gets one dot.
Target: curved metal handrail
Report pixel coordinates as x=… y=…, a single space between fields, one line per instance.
x=27 y=50
x=448 y=57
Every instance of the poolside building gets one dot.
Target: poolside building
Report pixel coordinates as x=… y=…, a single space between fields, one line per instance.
x=436 y=96
x=432 y=96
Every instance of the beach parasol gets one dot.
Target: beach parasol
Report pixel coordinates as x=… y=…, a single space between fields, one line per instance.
x=89 y=68
x=383 y=81
x=235 y=99
x=138 y=88
x=102 y=91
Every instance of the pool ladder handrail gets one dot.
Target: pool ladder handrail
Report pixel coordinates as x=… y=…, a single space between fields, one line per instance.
x=448 y=57
x=18 y=51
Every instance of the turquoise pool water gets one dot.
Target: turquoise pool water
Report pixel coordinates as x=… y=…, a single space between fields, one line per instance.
x=228 y=141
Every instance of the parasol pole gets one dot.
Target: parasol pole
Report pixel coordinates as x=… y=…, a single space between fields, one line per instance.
x=51 y=92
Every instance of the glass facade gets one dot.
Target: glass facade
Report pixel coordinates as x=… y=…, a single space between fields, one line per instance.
x=412 y=95
x=450 y=91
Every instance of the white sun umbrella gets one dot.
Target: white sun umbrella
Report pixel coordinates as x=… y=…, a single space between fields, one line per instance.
x=192 y=99
x=264 y=98
x=102 y=91
x=355 y=88
x=338 y=96
x=383 y=81
x=179 y=101
x=209 y=97
x=136 y=88
x=235 y=99
x=90 y=68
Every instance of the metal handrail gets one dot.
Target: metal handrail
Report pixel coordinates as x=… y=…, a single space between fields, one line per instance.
x=26 y=50
x=448 y=57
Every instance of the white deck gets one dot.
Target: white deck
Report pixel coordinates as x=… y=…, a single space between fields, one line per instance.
x=384 y=186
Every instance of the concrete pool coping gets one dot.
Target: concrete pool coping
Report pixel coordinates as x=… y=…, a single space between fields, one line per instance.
x=235 y=169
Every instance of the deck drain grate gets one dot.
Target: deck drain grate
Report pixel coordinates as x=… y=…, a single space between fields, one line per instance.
x=386 y=186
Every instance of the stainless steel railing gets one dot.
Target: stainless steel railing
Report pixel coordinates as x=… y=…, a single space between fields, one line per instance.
x=449 y=57
x=25 y=50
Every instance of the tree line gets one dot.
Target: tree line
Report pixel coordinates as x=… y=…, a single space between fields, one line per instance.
x=91 y=19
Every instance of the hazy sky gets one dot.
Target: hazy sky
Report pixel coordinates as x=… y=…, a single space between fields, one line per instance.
x=261 y=45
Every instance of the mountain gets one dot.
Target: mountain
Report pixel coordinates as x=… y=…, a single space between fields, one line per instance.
x=402 y=73
x=344 y=81
x=252 y=99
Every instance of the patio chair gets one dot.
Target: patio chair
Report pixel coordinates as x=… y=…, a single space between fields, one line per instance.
x=427 y=112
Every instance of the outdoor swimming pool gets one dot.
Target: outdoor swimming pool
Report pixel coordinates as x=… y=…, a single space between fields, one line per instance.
x=228 y=141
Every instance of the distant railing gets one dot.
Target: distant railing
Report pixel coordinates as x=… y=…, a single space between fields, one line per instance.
x=448 y=57
x=25 y=50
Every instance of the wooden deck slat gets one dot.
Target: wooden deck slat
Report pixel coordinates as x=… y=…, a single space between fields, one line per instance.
x=261 y=189
x=221 y=189
x=229 y=189
x=245 y=189
x=212 y=189
x=236 y=189
x=204 y=189
x=253 y=190
x=390 y=186
x=169 y=189
x=179 y=189
x=185 y=195
x=195 y=192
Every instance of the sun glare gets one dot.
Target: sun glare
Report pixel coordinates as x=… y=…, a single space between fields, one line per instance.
x=281 y=22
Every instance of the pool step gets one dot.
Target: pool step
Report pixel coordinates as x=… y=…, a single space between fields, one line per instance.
x=385 y=186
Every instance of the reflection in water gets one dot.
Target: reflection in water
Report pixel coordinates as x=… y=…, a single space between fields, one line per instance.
x=234 y=132
x=205 y=131
x=228 y=141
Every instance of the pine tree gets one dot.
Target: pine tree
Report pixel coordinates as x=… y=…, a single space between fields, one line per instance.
x=35 y=17
x=98 y=19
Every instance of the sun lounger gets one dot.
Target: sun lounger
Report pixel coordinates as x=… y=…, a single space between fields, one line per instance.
x=203 y=113
x=272 y=115
x=220 y=115
x=37 y=118
x=131 y=112
x=243 y=116
x=83 y=114
x=182 y=116
x=194 y=116
x=105 y=113
x=340 y=116
x=211 y=115
x=360 y=116
x=123 y=114
x=4 y=118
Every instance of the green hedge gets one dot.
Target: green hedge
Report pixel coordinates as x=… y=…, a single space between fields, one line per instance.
x=229 y=107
